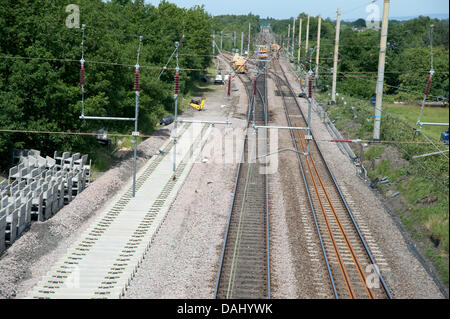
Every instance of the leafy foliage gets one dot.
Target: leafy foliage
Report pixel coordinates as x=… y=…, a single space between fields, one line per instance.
x=44 y=94
x=226 y=25
x=407 y=57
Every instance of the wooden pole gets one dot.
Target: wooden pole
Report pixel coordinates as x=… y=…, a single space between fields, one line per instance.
x=289 y=38
x=381 y=62
x=248 y=45
x=307 y=36
x=336 y=52
x=293 y=38
x=242 y=43
x=214 y=43
x=299 y=41
x=318 y=48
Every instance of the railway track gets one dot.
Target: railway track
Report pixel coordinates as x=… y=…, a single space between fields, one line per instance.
x=244 y=270
x=345 y=253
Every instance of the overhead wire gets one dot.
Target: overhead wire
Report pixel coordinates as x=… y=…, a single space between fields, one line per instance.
x=384 y=112
x=96 y=62
x=388 y=85
x=69 y=133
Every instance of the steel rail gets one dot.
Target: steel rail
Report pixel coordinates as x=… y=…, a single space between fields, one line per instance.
x=341 y=228
x=342 y=198
x=336 y=250
x=222 y=256
x=219 y=273
x=316 y=223
x=333 y=241
x=239 y=235
x=264 y=100
x=341 y=264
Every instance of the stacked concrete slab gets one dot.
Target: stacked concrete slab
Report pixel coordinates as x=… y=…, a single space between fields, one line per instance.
x=38 y=188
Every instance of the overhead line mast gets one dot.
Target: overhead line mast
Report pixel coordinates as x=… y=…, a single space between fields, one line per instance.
x=177 y=89
x=135 y=134
x=82 y=70
x=430 y=78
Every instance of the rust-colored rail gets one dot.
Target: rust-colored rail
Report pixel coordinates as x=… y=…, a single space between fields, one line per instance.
x=334 y=221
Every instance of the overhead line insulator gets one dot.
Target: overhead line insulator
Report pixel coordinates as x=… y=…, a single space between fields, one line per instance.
x=82 y=71
x=427 y=90
x=177 y=83
x=137 y=81
x=310 y=87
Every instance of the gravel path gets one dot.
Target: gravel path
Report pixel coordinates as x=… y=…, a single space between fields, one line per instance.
x=32 y=255
x=407 y=278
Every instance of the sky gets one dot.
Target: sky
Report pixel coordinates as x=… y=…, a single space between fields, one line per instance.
x=283 y=9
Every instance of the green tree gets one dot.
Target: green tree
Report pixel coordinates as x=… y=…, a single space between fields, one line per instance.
x=43 y=92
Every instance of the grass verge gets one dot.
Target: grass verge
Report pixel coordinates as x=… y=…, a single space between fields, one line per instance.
x=410 y=113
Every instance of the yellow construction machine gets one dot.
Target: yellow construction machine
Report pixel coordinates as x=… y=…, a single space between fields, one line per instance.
x=275 y=48
x=196 y=104
x=239 y=64
x=262 y=52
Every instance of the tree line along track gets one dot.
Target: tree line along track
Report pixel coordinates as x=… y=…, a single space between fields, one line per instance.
x=244 y=269
x=344 y=251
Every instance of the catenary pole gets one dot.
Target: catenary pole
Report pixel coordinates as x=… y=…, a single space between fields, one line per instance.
x=381 y=63
x=135 y=133
x=430 y=78
x=309 y=137
x=82 y=70
x=175 y=137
